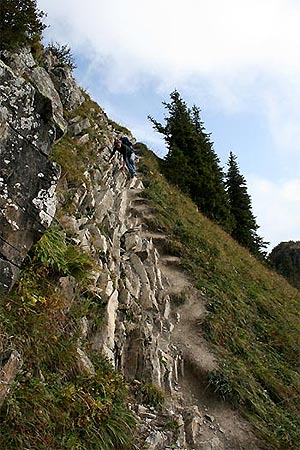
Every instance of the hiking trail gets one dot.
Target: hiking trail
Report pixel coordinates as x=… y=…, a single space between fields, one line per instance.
x=220 y=427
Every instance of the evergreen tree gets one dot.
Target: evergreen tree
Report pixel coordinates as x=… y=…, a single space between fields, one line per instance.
x=191 y=162
x=177 y=134
x=211 y=189
x=20 y=22
x=244 y=225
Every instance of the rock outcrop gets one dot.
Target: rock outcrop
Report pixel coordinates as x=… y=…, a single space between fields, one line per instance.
x=9 y=368
x=31 y=119
x=141 y=334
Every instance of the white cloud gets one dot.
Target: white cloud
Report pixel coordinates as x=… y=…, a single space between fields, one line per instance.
x=281 y=103
x=277 y=206
x=152 y=140
x=170 y=39
x=239 y=50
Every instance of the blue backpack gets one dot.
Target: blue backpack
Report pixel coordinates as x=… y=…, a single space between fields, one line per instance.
x=127 y=142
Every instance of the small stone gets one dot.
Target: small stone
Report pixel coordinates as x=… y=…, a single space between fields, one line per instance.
x=209 y=417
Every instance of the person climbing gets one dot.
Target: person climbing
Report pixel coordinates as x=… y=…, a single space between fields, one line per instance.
x=127 y=153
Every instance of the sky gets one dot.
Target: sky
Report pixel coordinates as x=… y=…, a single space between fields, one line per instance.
x=237 y=60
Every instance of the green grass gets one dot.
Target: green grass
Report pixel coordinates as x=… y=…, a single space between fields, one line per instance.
x=51 y=405
x=150 y=395
x=120 y=128
x=254 y=314
x=68 y=414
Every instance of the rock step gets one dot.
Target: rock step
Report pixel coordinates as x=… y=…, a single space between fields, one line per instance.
x=139 y=207
x=170 y=260
x=139 y=200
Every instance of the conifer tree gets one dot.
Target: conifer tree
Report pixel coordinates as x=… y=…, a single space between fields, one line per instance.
x=20 y=22
x=214 y=201
x=177 y=134
x=191 y=162
x=244 y=225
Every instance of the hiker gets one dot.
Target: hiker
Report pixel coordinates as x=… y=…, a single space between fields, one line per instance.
x=127 y=153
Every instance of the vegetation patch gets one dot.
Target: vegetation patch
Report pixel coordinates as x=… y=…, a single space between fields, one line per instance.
x=119 y=128
x=52 y=406
x=74 y=157
x=63 y=54
x=179 y=299
x=150 y=395
x=72 y=414
x=21 y=23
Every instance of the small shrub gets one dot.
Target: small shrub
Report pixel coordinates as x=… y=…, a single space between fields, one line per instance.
x=63 y=53
x=32 y=287
x=51 y=257
x=60 y=257
x=173 y=247
x=151 y=395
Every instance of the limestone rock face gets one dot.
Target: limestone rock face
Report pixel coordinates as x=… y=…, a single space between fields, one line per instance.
x=66 y=86
x=44 y=85
x=137 y=330
x=29 y=124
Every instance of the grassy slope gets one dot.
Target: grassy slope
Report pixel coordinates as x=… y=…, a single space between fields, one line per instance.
x=254 y=320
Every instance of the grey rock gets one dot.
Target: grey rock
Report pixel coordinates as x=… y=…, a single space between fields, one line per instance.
x=29 y=122
x=84 y=139
x=83 y=363
x=209 y=417
x=8 y=275
x=76 y=128
x=193 y=421
x=20 y=61
x=65 y=84
x=8 y=373
x=44 y=85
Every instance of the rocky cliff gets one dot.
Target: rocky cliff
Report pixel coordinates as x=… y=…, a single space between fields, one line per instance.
x=49 y=125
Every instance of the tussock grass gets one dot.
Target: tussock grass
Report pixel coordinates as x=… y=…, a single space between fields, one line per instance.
x=150 y=395
x=51 y=405
x=254 y=314
x=61 y=414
